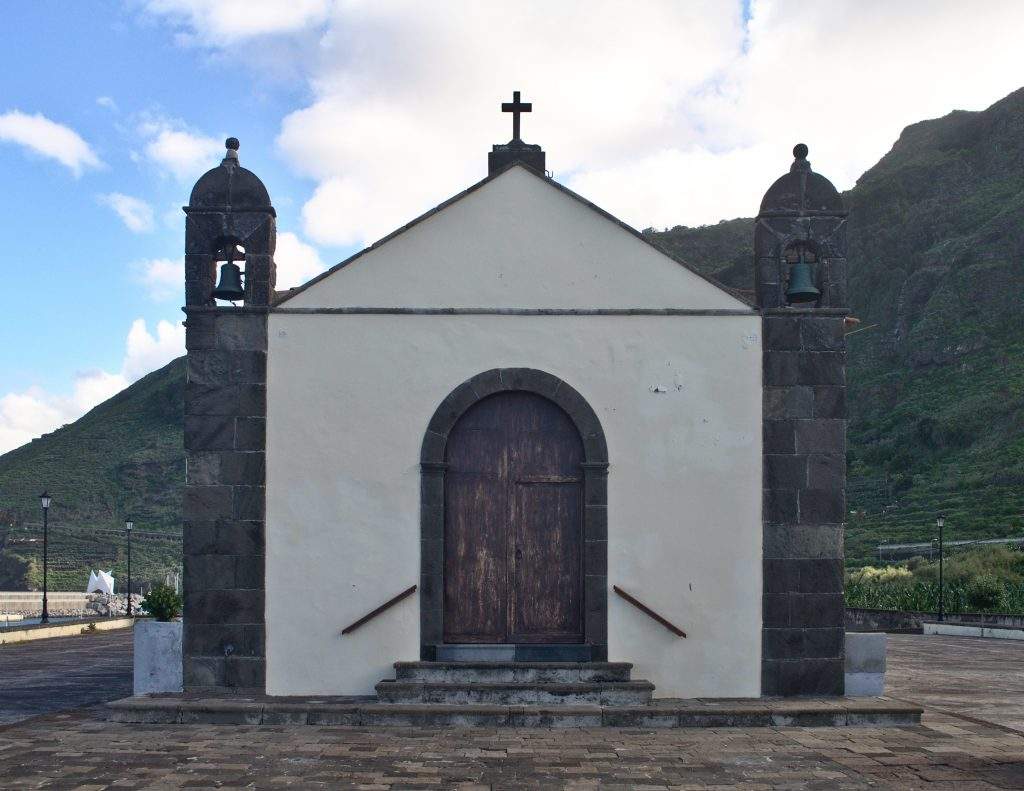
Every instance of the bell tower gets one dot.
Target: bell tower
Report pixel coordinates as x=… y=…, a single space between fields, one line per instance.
x=800 y=280
x=229 y=221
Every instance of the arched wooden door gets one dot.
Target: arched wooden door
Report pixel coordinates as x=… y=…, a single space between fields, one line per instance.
x=513 y=537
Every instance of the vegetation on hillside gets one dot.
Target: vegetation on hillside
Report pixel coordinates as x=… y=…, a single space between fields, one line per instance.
x=123 y=458
x=982 y=580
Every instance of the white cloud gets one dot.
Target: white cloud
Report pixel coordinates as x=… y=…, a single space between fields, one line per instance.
x=107 y=102
x=135 y=213
x=296 y=261
x=663 y=113
x=35 y=411
x=237 y=20
x=164 y=278
x=49 y=139
x=179 y=150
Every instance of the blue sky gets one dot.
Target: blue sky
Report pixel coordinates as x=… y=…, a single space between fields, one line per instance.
x=360 y=115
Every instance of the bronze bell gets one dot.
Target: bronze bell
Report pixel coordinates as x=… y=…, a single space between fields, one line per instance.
x=230 y=285
x=801 y=284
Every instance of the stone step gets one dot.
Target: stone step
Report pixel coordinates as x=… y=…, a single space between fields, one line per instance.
x=271 y=711
x=601 y=693
x=504 y=672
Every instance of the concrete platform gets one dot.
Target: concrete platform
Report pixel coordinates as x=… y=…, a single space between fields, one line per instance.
x=661 y=713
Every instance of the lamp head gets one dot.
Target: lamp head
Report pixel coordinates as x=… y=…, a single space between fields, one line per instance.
x=44 y=500
x=129 y=524
x=940 y=520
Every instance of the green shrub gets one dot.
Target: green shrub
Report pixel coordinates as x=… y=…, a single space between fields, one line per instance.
x=162 y=603
x=984 y=592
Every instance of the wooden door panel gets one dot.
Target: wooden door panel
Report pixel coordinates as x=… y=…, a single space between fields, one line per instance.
x=547 y=563
x=475 y=559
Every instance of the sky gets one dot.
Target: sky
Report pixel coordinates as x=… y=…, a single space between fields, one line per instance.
x=360 y=115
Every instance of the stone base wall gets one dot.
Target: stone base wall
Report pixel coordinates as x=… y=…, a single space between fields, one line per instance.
x=804 y=502
x=224 y=504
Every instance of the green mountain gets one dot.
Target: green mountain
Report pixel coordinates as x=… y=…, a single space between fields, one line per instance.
x=936 y=376
x=936 y=370
x=122 y=458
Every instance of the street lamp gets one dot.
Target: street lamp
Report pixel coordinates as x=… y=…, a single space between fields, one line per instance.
x=44 y=501
x=940 y=522
x=128 y=525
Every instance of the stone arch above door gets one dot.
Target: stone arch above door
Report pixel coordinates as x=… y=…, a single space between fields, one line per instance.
x=595 y=498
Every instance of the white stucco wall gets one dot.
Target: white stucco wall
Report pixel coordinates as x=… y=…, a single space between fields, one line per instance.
x=349 y=398
x=515 y=242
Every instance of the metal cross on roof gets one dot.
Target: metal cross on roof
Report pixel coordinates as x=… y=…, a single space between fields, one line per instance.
x=516 y=107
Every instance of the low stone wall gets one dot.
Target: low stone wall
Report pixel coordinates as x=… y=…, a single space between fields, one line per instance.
x=865 y=620
x=30 y=603
x=63 y=629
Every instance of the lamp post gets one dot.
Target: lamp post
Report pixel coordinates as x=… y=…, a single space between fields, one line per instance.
x=940 y=522
x=44 y=501
x=128 y=525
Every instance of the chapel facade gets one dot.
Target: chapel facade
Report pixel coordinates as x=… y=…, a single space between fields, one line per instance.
x=514 y=430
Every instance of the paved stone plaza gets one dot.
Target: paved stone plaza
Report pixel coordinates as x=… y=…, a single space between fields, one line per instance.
x=972 y=738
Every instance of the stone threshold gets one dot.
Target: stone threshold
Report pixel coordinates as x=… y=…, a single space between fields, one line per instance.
x=660 y=713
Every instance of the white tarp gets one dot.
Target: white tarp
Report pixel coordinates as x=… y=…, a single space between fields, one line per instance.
x=101 y=582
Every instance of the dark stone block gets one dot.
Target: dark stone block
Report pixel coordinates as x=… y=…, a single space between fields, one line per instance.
x=803 y=541
x=826 y=472
x=206 y=503
x=817 y=610
x=595 y=557
x=249 y=502
x=823 y=368
x=432 y=488
x=595 y=490
x=821 y=506
x=782 y=403
x=531 y=380
x=227 y=606
x=431 y=630
x=209 y=572
x=431 y=591
x=595 y=593
x=245 y=672
x=823 y=575
x=824 y=643
x=209 y=432
x=223 y=640
x=433 y=447
x=451 y=409
x=822 y=334
x=812 y=677
x=199 y=537
x=781 y=575
x=829 y=401
x=199 y=332
x=202 y=671
x=783 y=643
x=241 y=332
x=821 y=436
x=250 y=571
x=771 y=676
x=553 y=653
x=488 y=383
x=432 y=522
x=431 y=556
x=248 y=469
x=239 y=538
x=595 y=523
x=775 y=610
x=781 y=369
x=784 y=471
x=209 y=368
x=202 y=468
x=779 y=436
x=781 y=333
x=596 y=627
x=250 y=433
x=780 y=506
x=236 y=400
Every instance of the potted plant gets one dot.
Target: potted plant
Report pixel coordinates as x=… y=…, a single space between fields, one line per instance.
x=158 y=643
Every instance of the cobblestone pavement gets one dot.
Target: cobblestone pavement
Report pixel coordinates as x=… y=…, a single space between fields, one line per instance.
x=74 y=750
x=63 y=672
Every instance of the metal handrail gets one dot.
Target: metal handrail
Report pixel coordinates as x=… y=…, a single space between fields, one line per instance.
x=648 y=611
x=371 y=615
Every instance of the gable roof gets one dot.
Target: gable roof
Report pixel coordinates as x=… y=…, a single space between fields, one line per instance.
x=283 y=297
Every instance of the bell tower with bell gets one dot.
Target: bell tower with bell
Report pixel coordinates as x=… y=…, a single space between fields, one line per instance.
x=800 y=280
x=230 y=233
